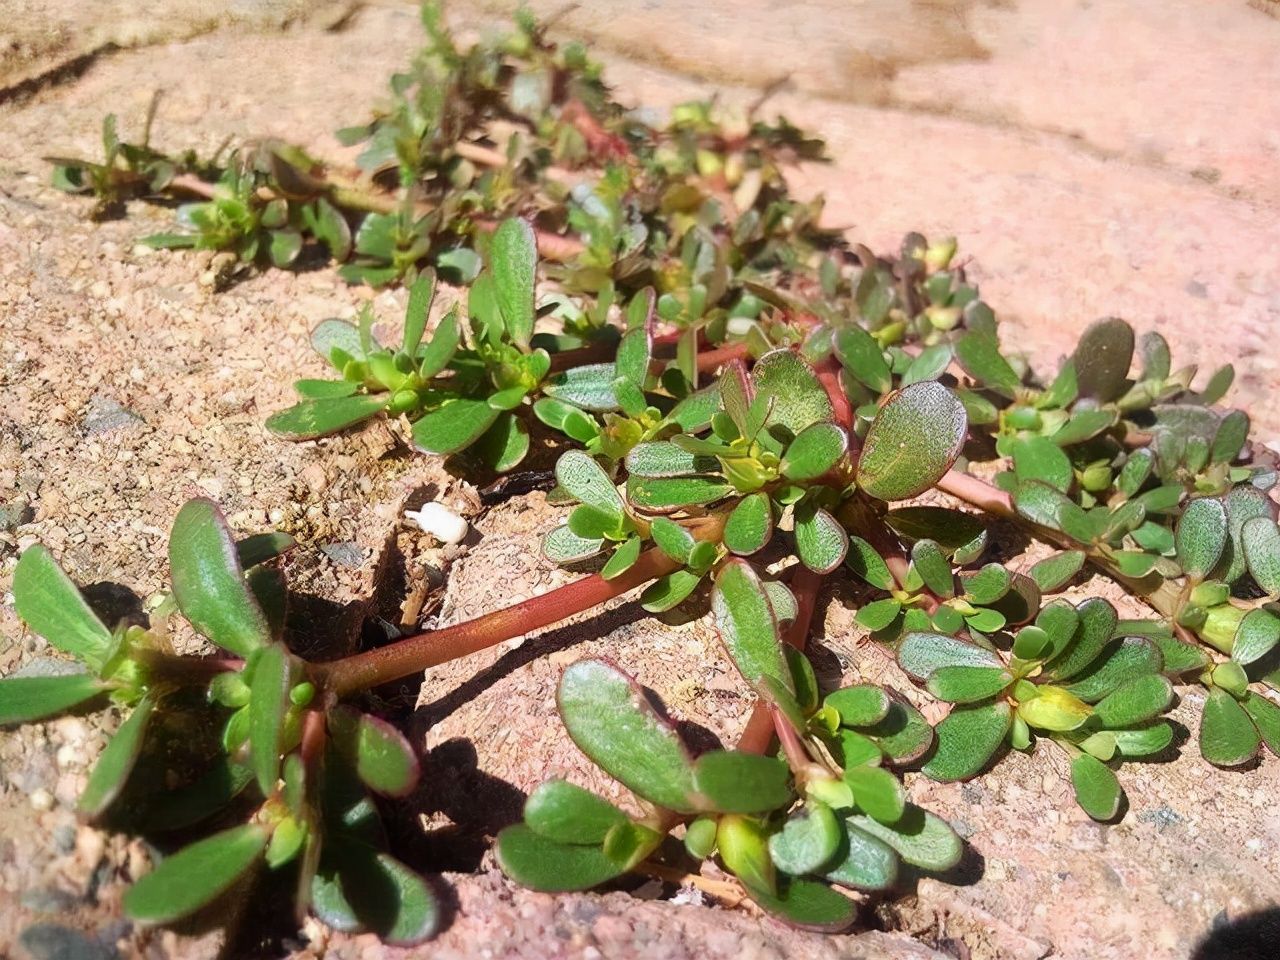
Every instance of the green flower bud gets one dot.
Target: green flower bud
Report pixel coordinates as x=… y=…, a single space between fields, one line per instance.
x=1220 y=625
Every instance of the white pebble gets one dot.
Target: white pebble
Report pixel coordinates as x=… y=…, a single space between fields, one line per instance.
x=41 y=799
x=439 y=521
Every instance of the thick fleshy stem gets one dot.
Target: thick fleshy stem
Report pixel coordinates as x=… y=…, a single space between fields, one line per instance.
x=758 y=733
x=423 y=650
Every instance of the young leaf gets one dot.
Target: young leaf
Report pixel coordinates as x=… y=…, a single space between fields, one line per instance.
x=928 y=561
x=116 y=763
x=379 y=753
x=747 y=626
x=1144 y=741
x=662 y=458
x=612 y=722
x=1140 y=699
x=590 y=387
x=750 y=525
x=209 y=583
x=195 y=875
x=441 y=348
x=879 y=614
x=319 y=418
x=1053 y=708
x=913 y=441
x=23 y=699
x=1228 y=737
x=563 y=546
x=673 y=539
x=1201 y=536
x=566 y=813
x=734 y=782
x=1040 y=458
x=809 y=839
x=968 y=737
x=513 y=259
x=268 y=703
x=49 y=603
x=454 y=426
x=1097 y=789
x=815 y=450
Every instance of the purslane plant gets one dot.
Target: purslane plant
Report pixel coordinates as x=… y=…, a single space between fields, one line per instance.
x=747 y=404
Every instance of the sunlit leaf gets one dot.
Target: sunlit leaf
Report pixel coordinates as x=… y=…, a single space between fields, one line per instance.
x=195 y=875
x=51 y=605
x=912 y=442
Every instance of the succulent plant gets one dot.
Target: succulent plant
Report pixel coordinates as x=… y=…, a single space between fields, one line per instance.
x=738 y=400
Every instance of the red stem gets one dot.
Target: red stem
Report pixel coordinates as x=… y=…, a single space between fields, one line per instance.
x=713 y=359
x=418 y=652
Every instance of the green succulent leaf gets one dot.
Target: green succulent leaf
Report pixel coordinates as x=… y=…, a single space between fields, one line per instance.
x=1260 y=538
x=1055 y=709
x=750 y=525
x=611 y=720
x=662 y=458
x=978 y=354
x=807 y=905
x=921 y=653
x=1097 y=790
x=862 y=356
x=1121 y=662
x=669 y=591
x=590 y=388
x=904 y=735
x=798 y=399
x=455 y=426
x=748 y=628
x=1102 y=359
x=195 y=875
x=321 y=417
x=912 y=443
x=1258 y=634
x=866 y=863
x=1143 y=741
x=661 y=493
x=357 y=888
x=1265 y=715
x=968 y=684
x=51 y=605
x=566 y=813
x=1201 y=536
x=268 y=704
x=919 y=837
x=860 y=705
x=734 y=782
x=1095 y=630
x=1228 y=737
x=382 y=758
x=815 y=450
x=932 y=567
x=867 y=563
x=821 y=541
x=24 y=699
x=809 y=839
x=513 y=258
x=209 y=582
x=968 y=738
x=117 y=762
x=1040 y=459
x=877 y=792
x=623 y=559
x=1140 y=699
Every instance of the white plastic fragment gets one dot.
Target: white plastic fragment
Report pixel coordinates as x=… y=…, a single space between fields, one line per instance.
x=439 y=521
